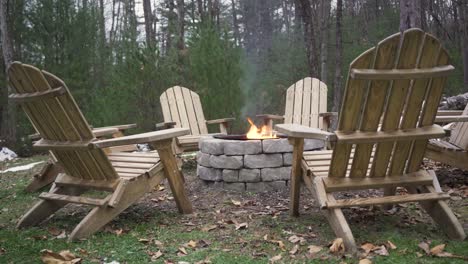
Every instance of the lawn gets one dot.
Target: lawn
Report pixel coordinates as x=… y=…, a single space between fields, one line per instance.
x=226 y=227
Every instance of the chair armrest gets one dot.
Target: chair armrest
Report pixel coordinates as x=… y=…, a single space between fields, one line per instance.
x=448 y=119
x=120 y=127
x=142 y=138
x=35 y=136
x=449 y=112
x=268 y=116
x=220 y=121
x=299 y=131
x=328 y=114
x=165 y=125
x=104 y=131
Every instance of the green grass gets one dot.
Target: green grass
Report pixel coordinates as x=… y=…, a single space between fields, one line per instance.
x=161 y=222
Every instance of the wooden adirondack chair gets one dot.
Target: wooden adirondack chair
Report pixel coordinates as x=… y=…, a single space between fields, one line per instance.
x=453 y=151
x=50 y=171
x=182 y=108
x=306 y=104
x=123 y=177
x=401 y=80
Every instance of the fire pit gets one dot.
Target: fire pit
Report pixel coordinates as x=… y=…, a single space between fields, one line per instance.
x=248 y=162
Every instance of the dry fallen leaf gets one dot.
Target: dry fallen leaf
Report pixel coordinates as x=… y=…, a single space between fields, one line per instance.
x=143 y=240
x=382 y=251
x=314 y=249
x=192 y=244
x=158 y=243
x=183 y=250
x=63 y=257
x=391 y=245
x=296 y=239
x=367 y=247
x=208 y=228
x=365 y=261
x=156 y=255
x=424 y=246
x=241 y=226
x=54 y=231
x=294 y=250
x=437 y=249
x=337 y=246
x=235 y=202
x=276 y=258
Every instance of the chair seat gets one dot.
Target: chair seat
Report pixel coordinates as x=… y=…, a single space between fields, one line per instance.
x=318 y=163
x=442 y=144
x=130 y=165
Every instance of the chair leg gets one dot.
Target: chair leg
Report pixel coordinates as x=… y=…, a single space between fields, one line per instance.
x=296 y=175
x=100 y=216
x=442 y=214
x=44 y=208
x=388 y=191
x=174 y=175
x=340 y=226
x=45 y=177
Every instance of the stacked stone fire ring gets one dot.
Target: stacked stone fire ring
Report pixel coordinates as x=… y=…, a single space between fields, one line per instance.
x=235 y=163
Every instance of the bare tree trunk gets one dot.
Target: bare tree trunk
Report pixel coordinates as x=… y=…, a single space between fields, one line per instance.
x=180 y=24
x=410 y=14
x=235 y=23
x=338 y=83
x=306 y=14
x=7 y=111
x=325 y=6
x=148 y=13
x=463 y=13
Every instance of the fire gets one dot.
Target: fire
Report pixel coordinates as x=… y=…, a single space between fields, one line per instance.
x=260 y=133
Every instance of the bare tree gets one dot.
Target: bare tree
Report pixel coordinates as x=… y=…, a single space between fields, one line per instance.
x=180 y=24
x=410 y=14
x=7 y=111
x=308 y=27
x=338 y=83
x=463 y=13
x=325 y=6
x=235 y=23
x=149 y=31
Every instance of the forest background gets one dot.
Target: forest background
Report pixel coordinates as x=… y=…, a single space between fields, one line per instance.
x=118 y=56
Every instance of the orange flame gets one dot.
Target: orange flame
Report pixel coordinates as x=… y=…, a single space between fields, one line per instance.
x=259 y=133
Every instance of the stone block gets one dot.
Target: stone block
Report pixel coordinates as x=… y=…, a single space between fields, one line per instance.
x=226 y=162
x=276 y=145
x=313 y=144
x=231 y=175
x=203 y=159
x=237 y=147
x=263 y=161
x=287 y=159
x=210 y=145
x=276 y=174
x=214 y=184
x=255 y=187
x=249 y=175
x=209 y=174
x=234 y=186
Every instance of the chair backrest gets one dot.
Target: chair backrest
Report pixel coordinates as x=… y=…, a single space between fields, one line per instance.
x=64 y=131
x=390 y=102
x=304 y=101
x=459 y=135
x=183 y=106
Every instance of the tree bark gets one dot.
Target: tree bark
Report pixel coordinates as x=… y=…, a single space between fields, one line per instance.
x=463 y=13
x=7 y=111
x=235 y=23
x=148 y=13
x=180 y=24
x=308 y=27
x=325 y=6
x=410 y=14
x=338 y=83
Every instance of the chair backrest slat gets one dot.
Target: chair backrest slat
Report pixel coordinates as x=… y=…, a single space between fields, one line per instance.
x=183 y=106
x=459 y=135
x=390 y=105
x=304 y=101
x=58 y=118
